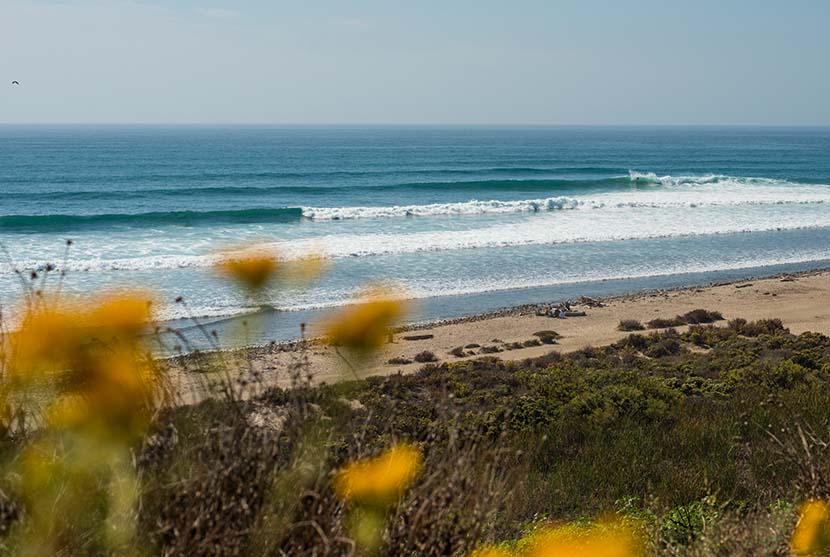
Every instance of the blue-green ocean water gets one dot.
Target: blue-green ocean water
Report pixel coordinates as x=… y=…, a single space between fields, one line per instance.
x=464 y=219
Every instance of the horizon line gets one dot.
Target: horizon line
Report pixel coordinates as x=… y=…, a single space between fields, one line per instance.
x=427 y=124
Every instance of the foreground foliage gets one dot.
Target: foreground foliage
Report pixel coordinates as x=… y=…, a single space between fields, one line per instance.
x=714 y=441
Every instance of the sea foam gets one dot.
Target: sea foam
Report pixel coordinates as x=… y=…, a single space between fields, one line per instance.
x=669 y=191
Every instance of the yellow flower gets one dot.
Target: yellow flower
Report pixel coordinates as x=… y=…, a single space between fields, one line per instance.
x=302 y=271
x=122 y=314
x=812 y=532
x=47 y=339
x=365 y=326
x=253 y=268
x=107 y=378
x=379 y=480
x=612 y=539
x=116 y=397
x=117 y=394
x=55 y=335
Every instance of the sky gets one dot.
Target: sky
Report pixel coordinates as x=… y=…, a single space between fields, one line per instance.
x=416 y=62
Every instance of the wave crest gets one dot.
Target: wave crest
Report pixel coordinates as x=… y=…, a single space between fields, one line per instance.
x=549 y=204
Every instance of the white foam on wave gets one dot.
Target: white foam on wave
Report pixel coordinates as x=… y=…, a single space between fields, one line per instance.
x=474 y=207
x=555 y=229
x=172 y=312
x=548 y=204
x=681 y=191
x=427 y=286
x=549 y=229
x=733 y=206
x=702 y=180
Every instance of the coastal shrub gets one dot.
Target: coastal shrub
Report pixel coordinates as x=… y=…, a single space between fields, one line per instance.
x=654 y=345
x=399 y=361
x=807 y=359
x=458 y=352
x=547 y=337
x=490 y=349
x=736 y=324
x=758 y=328
x=764 y=531
x=685 y=523
x=425 y=357
x=546 y=361
x=607 y=403
x=697 y=316
x=781 y=375
x=630 y=325
x=636 y=342
x=694 y=317
x=663 y=348
x=662 y=323
x=707 y=335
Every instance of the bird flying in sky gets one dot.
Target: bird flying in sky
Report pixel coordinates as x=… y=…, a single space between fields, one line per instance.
x=15 y=82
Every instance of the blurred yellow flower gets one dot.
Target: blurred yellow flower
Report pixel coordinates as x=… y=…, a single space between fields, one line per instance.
x=380 y=480
x=117 y=395
x=812 y=532
x=304 y=270
x=107 y=377
x=610 y=539
x=47 y=339
x=123 y=314
x=365 y=326
x=253 y=268
x=54 y=335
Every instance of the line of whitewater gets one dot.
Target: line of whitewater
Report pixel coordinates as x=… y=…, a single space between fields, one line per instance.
x=372 y=245
x=328 y=300
x=644 y=190
x=628 y=200
x=548 y=204
x=678 y=191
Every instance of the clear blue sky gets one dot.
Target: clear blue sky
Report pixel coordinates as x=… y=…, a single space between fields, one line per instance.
x=424 y=61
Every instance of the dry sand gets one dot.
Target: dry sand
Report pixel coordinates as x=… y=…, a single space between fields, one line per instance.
x=801 y=301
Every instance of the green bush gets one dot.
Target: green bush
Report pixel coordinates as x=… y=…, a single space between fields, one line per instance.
x=697 y=316
x=630 y=325
x=425 y=357
x=660 y=323
x=547 y=337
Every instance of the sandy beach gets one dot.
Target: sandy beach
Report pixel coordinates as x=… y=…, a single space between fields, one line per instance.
x=801 y=301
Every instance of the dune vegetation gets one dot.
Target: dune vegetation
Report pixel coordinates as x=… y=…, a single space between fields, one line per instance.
x=713 y=441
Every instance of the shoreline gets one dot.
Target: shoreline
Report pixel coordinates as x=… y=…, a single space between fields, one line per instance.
x=800 y=299
x=271 y=325
x=527 y=309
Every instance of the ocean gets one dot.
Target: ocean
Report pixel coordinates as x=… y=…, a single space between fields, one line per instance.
x=463 y=219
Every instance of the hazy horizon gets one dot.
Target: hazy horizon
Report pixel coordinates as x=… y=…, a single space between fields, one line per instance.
x=383 y=63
